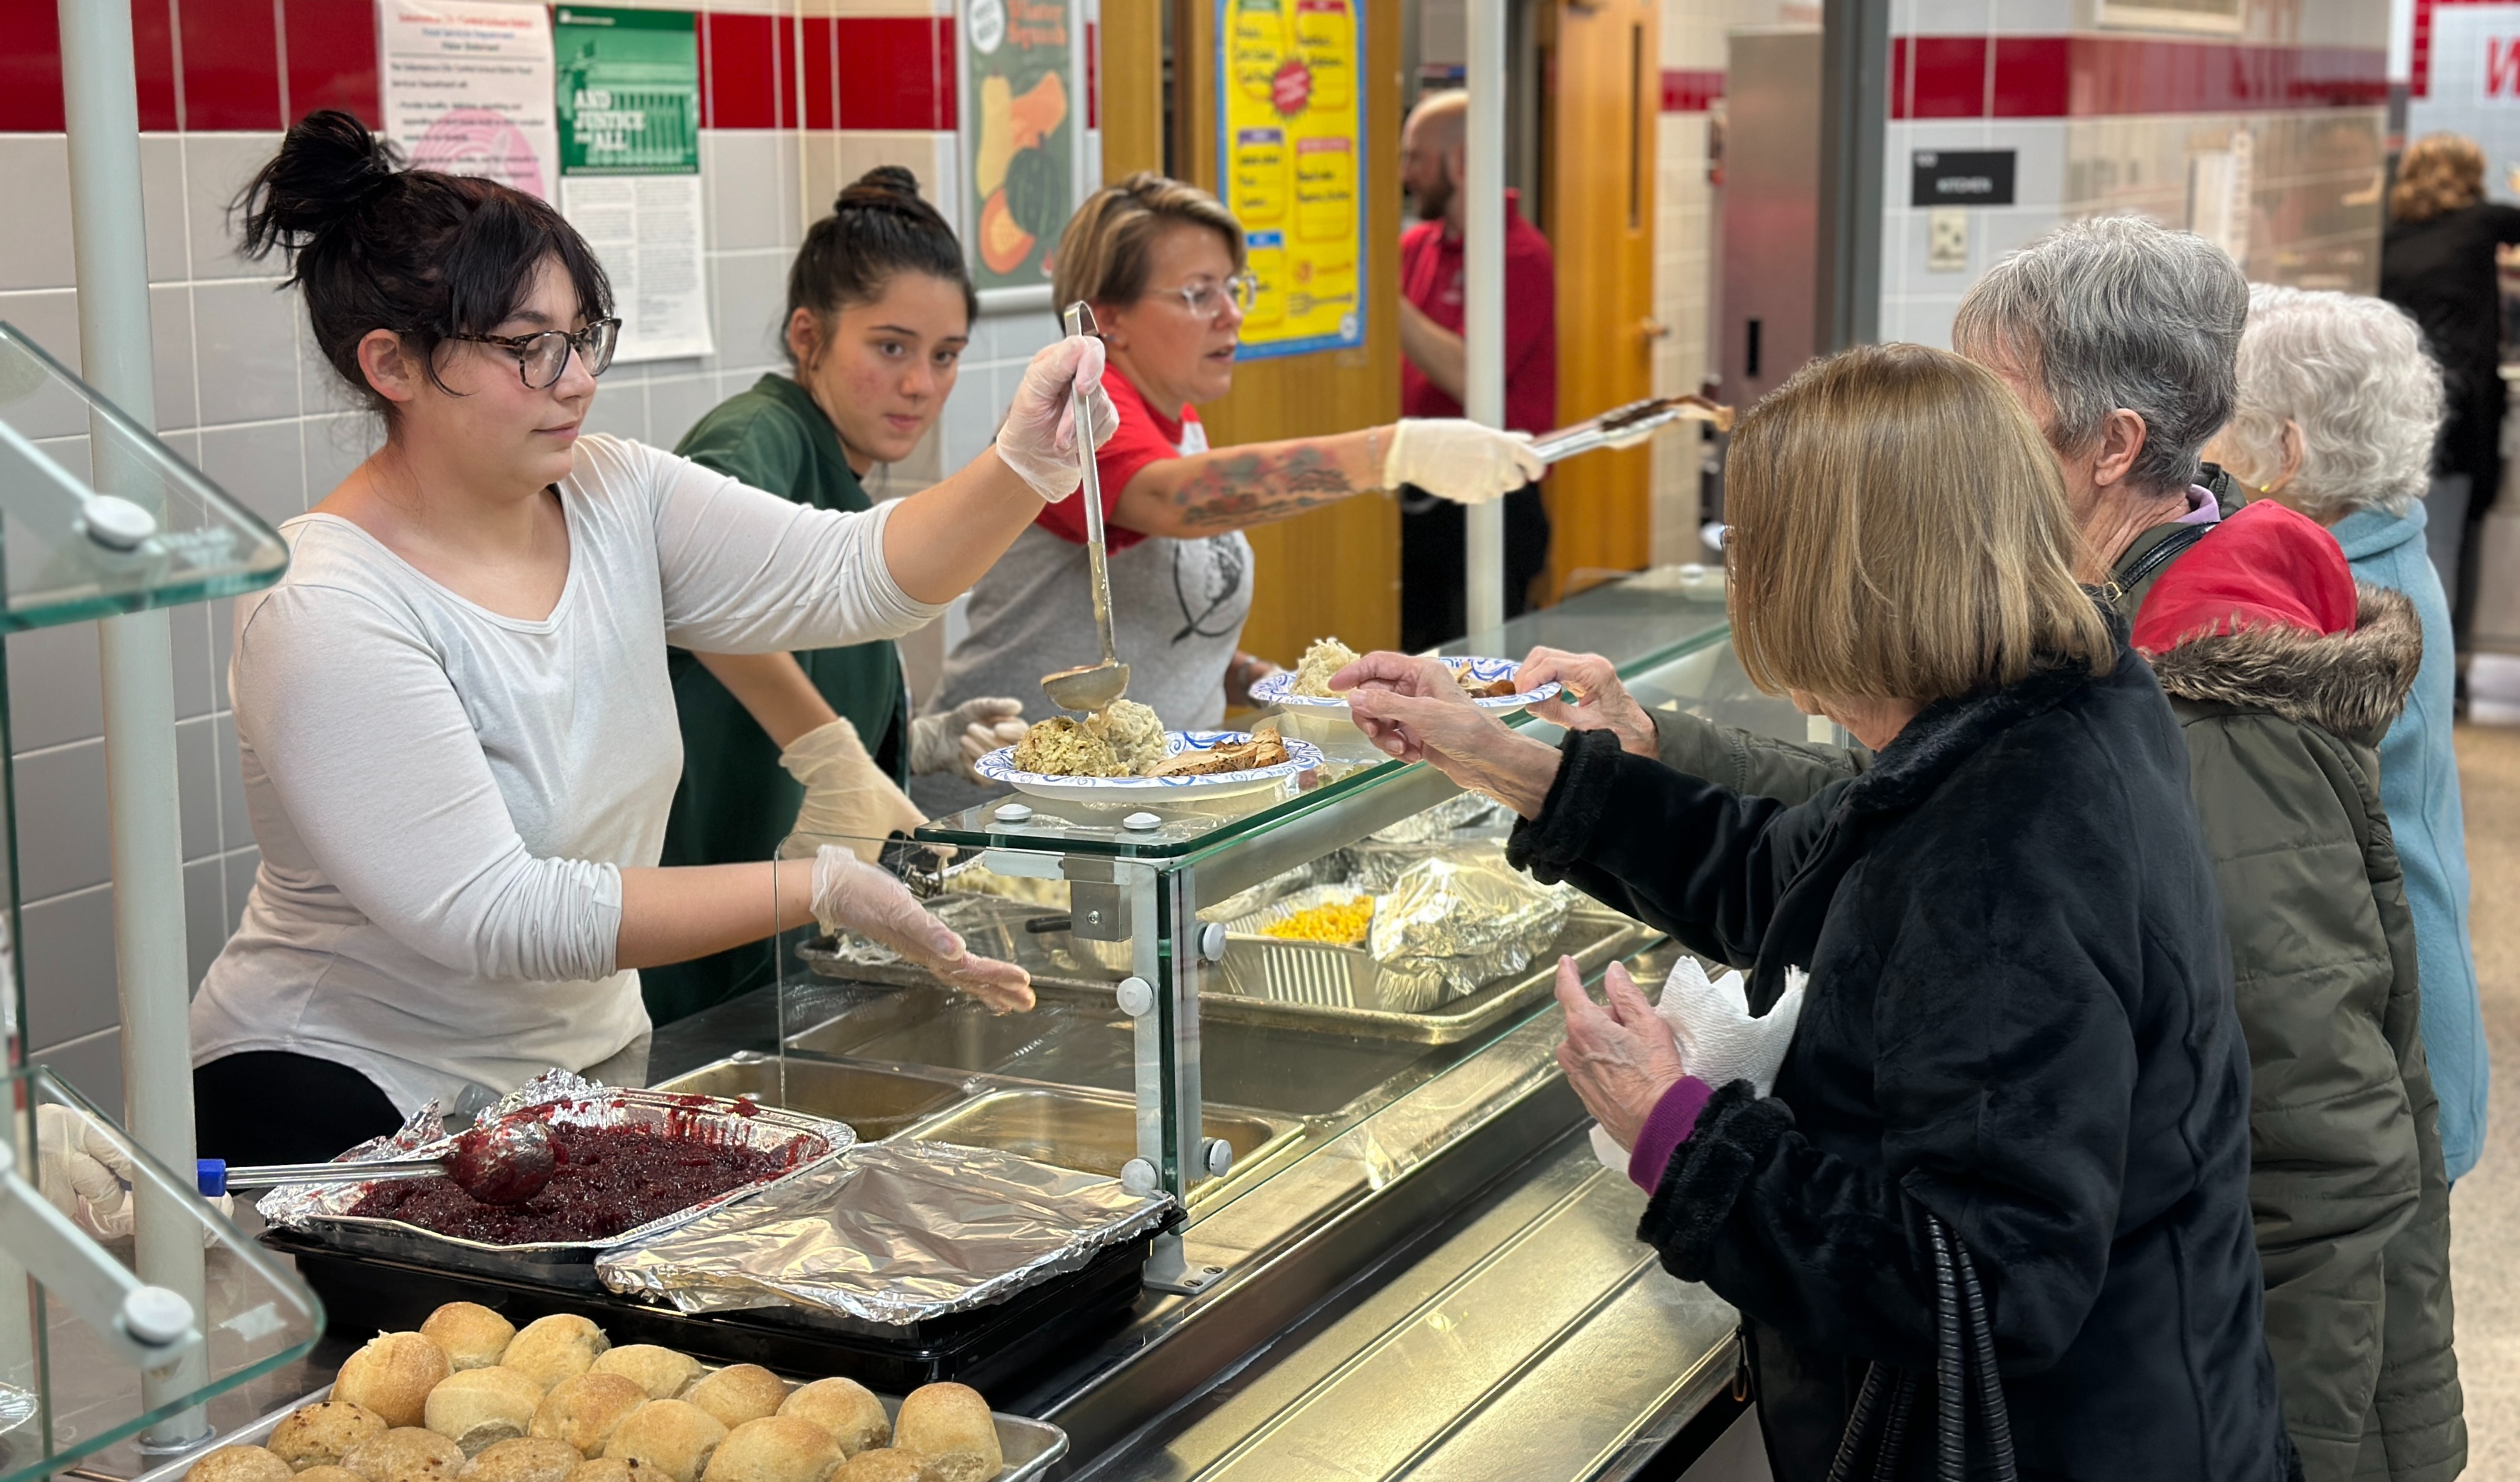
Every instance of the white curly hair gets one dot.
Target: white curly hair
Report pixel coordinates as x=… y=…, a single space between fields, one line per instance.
x=2354 y=372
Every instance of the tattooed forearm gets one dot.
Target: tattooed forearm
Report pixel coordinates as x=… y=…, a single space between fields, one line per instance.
x=1241 y=488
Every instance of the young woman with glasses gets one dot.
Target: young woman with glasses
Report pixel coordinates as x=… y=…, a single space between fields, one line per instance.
x=453 y=713
x=1162 y=263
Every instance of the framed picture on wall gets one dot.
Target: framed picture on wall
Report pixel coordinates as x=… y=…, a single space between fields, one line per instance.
x=2208 y=17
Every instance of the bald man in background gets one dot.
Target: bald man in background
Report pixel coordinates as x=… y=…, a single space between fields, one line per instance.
x=1432 y=606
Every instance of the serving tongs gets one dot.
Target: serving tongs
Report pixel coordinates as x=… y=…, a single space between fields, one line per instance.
x=1091 y=686
x=507 y=1163
x=1634 y=420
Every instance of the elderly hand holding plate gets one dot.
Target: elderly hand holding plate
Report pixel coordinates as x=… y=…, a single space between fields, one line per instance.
x=1590 y=697
x=1416 y=710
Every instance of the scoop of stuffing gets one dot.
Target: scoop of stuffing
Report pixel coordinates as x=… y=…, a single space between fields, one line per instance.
x=1061 y=746
x=1134 y=734
x=1325 y=657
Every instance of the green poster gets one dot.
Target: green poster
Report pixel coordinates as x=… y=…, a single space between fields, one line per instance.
x=1020 y=142
x=629 y=91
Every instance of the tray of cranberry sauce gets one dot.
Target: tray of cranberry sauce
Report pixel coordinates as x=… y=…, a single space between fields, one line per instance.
x=631 y=1163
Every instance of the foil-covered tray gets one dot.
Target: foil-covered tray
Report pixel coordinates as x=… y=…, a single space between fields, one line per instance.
x=322 y=1211
x=1029 y=1446
x=897 y=1233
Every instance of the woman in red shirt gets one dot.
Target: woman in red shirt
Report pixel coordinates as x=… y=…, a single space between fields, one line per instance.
x=1162 y=263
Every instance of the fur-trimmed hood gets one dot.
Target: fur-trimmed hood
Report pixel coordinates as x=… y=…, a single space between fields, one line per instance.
x=2351 y=684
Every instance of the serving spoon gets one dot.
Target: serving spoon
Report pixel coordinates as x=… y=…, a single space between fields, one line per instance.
x=506 y=1164
x=1089 y=686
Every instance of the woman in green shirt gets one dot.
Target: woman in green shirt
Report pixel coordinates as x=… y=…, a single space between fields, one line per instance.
x=880 y=307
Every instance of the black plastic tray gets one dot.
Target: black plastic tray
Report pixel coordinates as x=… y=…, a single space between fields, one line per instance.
x=992 y=1349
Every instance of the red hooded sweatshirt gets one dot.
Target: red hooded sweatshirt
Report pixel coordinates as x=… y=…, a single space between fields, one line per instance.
x=2266 y=566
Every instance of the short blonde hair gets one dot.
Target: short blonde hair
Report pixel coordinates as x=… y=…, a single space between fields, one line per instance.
x=1105 y=252
x=2438 y=172
x=1899 y=530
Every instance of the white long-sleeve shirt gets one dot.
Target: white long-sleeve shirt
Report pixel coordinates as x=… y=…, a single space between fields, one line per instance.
x=446 y=797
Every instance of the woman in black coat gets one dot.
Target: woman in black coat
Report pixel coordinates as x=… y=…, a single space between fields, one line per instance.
x=2019 y=1017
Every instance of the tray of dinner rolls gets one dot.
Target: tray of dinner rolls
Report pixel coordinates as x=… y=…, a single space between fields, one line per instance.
x=469 y=1396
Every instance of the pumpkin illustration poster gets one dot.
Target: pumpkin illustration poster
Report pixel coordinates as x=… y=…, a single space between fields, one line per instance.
x=1022 y=121
x=1290 y=131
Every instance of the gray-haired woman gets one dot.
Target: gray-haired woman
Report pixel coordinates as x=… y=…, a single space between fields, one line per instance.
x=2339 y=408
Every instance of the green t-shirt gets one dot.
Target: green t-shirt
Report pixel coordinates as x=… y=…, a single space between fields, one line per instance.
x=735 y=802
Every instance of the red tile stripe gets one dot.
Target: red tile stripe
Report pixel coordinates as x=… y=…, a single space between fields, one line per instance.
x=1689 y=90
x=2111 y=77
x=254 y=64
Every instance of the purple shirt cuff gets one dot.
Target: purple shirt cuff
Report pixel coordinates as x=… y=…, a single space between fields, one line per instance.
x=1666 y=1127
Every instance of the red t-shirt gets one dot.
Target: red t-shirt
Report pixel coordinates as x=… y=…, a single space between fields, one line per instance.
x=1144 y=436
x=1431 y=277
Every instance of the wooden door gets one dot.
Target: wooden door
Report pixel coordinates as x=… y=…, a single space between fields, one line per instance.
x=1336 y=571
x=1601 y=73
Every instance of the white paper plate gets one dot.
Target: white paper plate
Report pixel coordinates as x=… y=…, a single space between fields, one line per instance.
x=999 y=766
x=1278 y=689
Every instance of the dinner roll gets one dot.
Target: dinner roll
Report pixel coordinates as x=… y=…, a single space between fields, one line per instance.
x=774 y=1449
x=949 y=1424
x=319 y=1435
x=662 y=1373
x=473 y=1335
x=393 y=1375
x=406 y=1453
x=740 y=1392
x=674 y=1437
x=479 y=1408
x=843 y=1407
x=887 y=1465
x=584 y=1411
x=526 y=1458
x=240 y=1464
x=329 y=1472
x=612 y=1469
x=559 y=1347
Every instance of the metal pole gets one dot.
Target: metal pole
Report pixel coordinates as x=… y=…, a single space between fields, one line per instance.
x=147 y=834
x=1483 y=300
x=1854 y=114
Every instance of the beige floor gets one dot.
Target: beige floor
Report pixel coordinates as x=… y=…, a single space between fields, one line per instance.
x=2484 y=1207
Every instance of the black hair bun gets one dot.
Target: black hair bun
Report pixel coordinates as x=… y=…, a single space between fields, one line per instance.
x=329 y=166
x=885 y=187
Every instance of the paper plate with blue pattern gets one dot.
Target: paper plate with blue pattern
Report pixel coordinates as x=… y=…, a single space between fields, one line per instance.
x=1278 y=689
x=999 y=766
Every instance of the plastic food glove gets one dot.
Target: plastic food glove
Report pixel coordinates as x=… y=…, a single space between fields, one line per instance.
x=1719 y=1041
x=953 y=739
x=845 y=792
x=852 y=895
x=1460 y=459
x=81 y=1171
x=1038 y=439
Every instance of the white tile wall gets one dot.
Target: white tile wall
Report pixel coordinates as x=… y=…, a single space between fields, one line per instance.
x=242 y=392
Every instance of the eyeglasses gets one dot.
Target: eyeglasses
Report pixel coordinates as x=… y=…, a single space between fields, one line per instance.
x=541 y=359
x=1207 y=298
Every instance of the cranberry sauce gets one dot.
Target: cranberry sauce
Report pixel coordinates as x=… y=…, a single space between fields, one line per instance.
x=607 y=1180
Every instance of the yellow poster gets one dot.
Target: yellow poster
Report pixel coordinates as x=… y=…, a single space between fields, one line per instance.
x=1291 y=127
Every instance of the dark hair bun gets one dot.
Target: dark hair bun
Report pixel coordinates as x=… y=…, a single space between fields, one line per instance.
x=885 y=187
x=329 y=166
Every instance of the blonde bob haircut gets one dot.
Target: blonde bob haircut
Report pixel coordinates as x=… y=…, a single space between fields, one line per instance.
x=1107 y=248
x=1899 y=530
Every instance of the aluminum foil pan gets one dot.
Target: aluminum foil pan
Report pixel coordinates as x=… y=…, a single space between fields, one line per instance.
x=1461 y=919
x=565 y=1099
x=896 y=1233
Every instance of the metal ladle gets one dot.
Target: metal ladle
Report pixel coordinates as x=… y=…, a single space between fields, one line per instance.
x=1093 y=687
x=506 y=1164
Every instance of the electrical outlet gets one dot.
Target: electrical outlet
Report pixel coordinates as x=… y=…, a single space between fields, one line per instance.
x=1946 y=235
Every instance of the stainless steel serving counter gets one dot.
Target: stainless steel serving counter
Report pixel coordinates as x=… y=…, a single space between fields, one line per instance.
x=1413 y=1266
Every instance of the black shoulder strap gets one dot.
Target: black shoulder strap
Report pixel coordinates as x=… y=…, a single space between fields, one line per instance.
x=2171 y=545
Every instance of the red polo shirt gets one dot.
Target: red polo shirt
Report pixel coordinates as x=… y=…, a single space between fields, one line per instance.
x=1431 y=277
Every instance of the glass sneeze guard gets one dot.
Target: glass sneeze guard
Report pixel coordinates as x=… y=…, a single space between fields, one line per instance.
x=98 y=516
